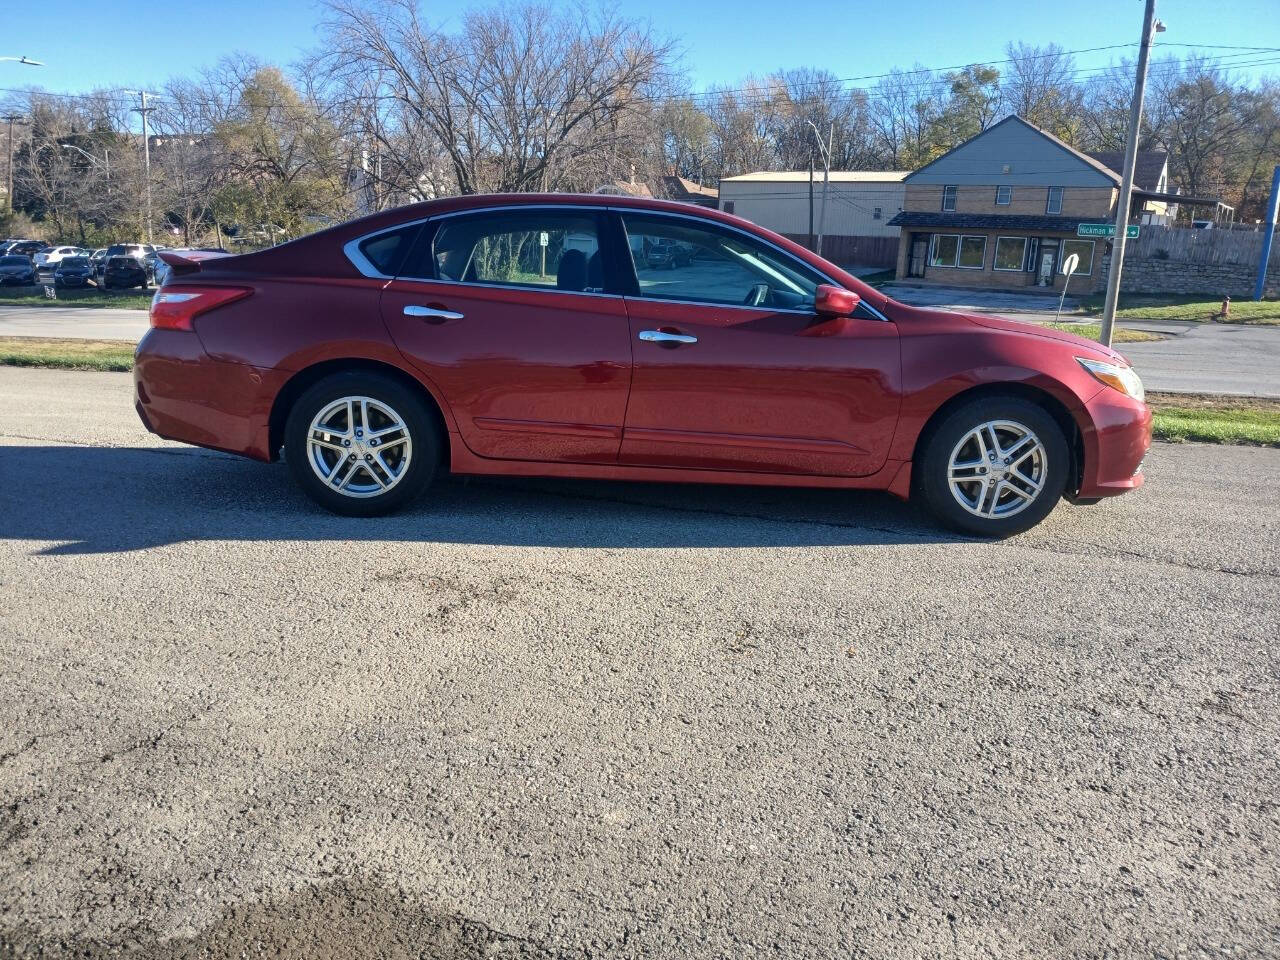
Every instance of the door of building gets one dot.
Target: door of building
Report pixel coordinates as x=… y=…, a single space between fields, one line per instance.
x=1048 y=263
x=919 y=254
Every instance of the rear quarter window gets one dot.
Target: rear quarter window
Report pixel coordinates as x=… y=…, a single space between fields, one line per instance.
x=387 y=251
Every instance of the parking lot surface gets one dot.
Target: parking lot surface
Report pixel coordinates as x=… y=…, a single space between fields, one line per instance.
x=566 y=719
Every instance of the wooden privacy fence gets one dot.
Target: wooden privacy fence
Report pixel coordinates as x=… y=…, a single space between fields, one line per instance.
x=1242 y=247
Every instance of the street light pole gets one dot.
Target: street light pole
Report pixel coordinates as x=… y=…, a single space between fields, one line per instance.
x=11 y=119
x=1150 y=27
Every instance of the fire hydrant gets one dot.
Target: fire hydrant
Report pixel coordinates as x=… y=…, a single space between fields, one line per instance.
x=1226 y=307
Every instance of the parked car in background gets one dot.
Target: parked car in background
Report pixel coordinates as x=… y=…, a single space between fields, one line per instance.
x=95 y=261
x=47 y=260
x=16 y=271
x=124 y=250
x=73 y=272
x=25 y=248
x=124 y=272
x=436 y=336
x=669 y=254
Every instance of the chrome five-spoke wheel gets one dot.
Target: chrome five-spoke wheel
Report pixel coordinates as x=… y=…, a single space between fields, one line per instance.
x=997 y=469
x=359 y=446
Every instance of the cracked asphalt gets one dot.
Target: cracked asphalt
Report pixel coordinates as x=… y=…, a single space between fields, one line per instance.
x=552 y=719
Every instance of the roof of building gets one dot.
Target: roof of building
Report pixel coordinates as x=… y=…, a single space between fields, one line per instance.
x=1147 y=168
x=837 y=176
x=990 y=221
x=676 y=188
x=1084 y=158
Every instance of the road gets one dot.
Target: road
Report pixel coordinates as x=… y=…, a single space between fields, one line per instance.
x=554 y=719
x=89 y=323
x=1193 y=358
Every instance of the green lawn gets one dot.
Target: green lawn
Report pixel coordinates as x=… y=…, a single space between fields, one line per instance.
x=1091 y=331
x=1208 y=419
x=1202 y=307
x=107 y=355
x=89 y=297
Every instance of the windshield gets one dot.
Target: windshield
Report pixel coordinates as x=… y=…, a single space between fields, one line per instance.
x=75 y=261
x=14 y=261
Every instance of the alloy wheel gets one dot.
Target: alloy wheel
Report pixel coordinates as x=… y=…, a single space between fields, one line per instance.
x=997 y=469
x=359 y=447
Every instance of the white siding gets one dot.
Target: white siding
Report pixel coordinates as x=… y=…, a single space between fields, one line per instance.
x=783 y=206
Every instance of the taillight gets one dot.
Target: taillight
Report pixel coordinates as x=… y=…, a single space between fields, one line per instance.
x=176 y=307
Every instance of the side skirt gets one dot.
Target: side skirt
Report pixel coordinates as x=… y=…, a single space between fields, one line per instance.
x=464 y=462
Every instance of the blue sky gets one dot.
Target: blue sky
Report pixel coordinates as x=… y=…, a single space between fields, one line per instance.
x=722 y=40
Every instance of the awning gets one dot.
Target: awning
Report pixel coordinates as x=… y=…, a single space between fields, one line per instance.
x=991 y=221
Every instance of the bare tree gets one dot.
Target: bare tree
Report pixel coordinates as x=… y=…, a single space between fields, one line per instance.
x=1039 y=86
x=522 y=98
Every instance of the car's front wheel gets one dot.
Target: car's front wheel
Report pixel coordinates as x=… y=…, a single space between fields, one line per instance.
x=994 y=466
x=362 y=444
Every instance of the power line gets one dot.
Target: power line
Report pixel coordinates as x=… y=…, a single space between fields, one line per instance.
x=754 y=92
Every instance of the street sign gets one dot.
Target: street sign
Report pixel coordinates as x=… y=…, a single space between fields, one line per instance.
x=543 y=238
x=1069 y=265
x=1104 y=230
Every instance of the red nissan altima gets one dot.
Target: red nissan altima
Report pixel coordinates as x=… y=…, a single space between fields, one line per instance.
x=613 y=338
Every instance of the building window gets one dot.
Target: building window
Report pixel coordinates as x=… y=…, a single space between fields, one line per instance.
x=973 y=253
x=948 y=198
x=1011 y=253
x=1003 y=195
x=728 y=206
x=952 y=250
x=945 y=248
x=875 y=214
x=1055 y=201
x=1085 y=250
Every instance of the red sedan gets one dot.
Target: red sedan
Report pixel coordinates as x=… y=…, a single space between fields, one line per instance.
x=531 y=335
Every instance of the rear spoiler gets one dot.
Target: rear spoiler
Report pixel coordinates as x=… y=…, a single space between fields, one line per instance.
x=188 y=261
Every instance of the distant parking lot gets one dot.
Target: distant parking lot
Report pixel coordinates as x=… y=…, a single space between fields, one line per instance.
x=553 y=719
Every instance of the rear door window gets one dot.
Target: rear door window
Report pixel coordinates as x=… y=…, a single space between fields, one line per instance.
x=547 y=249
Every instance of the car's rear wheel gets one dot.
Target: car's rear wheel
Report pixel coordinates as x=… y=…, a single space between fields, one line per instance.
x=994 y=466
x=361 y=444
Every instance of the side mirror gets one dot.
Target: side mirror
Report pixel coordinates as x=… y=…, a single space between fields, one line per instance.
x=832 y=301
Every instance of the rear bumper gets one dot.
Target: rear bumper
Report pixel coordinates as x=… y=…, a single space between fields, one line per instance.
x=1115 y=442
x=183 y=394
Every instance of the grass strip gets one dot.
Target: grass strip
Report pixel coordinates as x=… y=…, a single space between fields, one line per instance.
x=1203 y=418
x=89 y=298
x=1201 y=307
x=103 y=355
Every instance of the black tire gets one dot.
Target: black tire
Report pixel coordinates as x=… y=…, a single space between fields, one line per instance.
x=931 y=477
x=407 y=402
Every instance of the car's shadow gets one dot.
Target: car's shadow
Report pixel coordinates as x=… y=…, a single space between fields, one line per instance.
x=82 y=499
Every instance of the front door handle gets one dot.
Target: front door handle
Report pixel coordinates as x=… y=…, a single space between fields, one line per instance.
x=662 y=336
x=430 y=313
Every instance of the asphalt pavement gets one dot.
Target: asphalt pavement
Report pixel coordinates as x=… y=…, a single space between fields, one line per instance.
x=565 y=719
x=87 y=323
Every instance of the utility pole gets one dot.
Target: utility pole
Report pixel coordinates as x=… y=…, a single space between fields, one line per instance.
x=1150 y=27
x=1273 y=206
x=146 y=151
x=826 y=176
x=11 y=119
x=810 y=243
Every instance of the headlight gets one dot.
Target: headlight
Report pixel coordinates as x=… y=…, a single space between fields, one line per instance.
x=1115 y=376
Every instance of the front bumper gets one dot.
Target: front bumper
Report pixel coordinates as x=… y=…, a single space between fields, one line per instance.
x=183 y=394
x=1115 y=441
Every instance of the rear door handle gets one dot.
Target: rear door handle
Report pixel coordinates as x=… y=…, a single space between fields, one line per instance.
x=661 y=336
x=430 y=313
